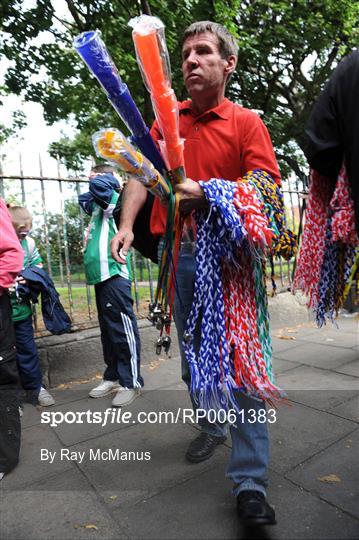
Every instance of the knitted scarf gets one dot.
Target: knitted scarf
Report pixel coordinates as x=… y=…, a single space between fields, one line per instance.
x=230 y=300
x=329 y=250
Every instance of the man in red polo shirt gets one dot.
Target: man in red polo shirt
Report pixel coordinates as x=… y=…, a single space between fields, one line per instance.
x=222 y=140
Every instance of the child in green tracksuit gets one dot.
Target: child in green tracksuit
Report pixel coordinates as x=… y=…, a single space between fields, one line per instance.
x=26 y=351
x=112 y=281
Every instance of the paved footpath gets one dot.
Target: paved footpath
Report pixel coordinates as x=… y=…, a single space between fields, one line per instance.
x=314 y=480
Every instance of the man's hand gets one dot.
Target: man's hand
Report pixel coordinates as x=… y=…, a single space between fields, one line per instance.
x=191 y=196
x=120 y=244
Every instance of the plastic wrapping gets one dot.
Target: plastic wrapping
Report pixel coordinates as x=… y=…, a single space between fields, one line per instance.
x=112 y=145
x=152 y=57
x=93 y=51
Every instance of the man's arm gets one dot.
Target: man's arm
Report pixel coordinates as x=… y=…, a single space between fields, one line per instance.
x=133 y=199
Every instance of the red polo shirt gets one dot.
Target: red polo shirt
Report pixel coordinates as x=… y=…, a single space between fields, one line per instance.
x=224 y=142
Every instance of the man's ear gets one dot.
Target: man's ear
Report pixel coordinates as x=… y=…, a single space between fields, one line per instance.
x=231 y=64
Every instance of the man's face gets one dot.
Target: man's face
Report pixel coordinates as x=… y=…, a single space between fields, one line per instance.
x=204 y=70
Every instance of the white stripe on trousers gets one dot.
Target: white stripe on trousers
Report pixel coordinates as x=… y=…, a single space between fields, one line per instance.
x=127 y=323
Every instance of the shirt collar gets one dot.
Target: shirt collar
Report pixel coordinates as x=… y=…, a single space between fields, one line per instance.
x=222 y=110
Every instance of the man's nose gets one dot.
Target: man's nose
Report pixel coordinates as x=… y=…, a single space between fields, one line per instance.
x=192 y=59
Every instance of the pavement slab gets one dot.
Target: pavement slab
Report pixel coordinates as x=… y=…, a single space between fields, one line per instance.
x=280 y=365
x=131 y=480
x=333 y=474
x=31 y=416
x=203 y=508
x=349 y=409
x=76 y=432
x=161 y=371
x=317 y=355
x=351 y=368
x=282 y=341
x=31 y=468
x=60 y=507
x=74 y=391
x=318 y=388
x=331 y=338
x=300 y=432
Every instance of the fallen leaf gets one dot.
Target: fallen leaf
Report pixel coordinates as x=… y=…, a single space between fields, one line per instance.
x=86 y=526
x=113 y=497
x=285 y=337
x=330 y=478
x=292 y=331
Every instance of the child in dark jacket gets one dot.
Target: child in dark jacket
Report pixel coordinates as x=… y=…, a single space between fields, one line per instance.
x=26 y=351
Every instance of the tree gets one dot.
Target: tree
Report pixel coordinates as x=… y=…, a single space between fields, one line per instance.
x=56 y=240
x=287 y=52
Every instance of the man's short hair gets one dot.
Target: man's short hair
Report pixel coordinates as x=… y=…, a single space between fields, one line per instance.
x=102 y=168
x=226 y=42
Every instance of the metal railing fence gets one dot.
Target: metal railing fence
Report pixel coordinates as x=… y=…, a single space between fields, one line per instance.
x=58 y=229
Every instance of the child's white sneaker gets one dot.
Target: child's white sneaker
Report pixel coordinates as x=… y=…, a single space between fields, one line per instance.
x=44 y=398
x=104 y=388
x=125 y=396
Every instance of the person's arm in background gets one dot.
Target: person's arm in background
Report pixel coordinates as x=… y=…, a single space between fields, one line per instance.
x=11 y=253
x=133 y=198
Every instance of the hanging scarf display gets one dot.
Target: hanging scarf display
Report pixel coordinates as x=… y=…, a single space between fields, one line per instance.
x=329 y=251
x=230 y=297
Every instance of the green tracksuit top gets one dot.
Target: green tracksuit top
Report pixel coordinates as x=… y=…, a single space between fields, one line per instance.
x=98 y=261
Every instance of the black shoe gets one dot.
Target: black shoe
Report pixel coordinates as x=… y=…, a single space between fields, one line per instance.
x=203 y=447
x=253 y=509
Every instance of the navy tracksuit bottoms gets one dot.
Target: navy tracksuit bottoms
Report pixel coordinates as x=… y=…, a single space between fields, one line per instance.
x=119 y=332
x=27 y=357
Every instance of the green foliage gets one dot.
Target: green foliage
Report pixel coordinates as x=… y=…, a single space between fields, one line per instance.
x=74 y=225
x=287 y=52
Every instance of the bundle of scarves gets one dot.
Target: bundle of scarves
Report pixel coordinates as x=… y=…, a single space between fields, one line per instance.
x=329 y=254
x=230 y=301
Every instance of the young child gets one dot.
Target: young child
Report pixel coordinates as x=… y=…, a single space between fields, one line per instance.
x=112 y=281
x=26 y=352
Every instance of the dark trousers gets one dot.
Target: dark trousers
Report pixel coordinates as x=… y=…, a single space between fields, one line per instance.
x=10 y=428
x=27 y=356
x=119 y=332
